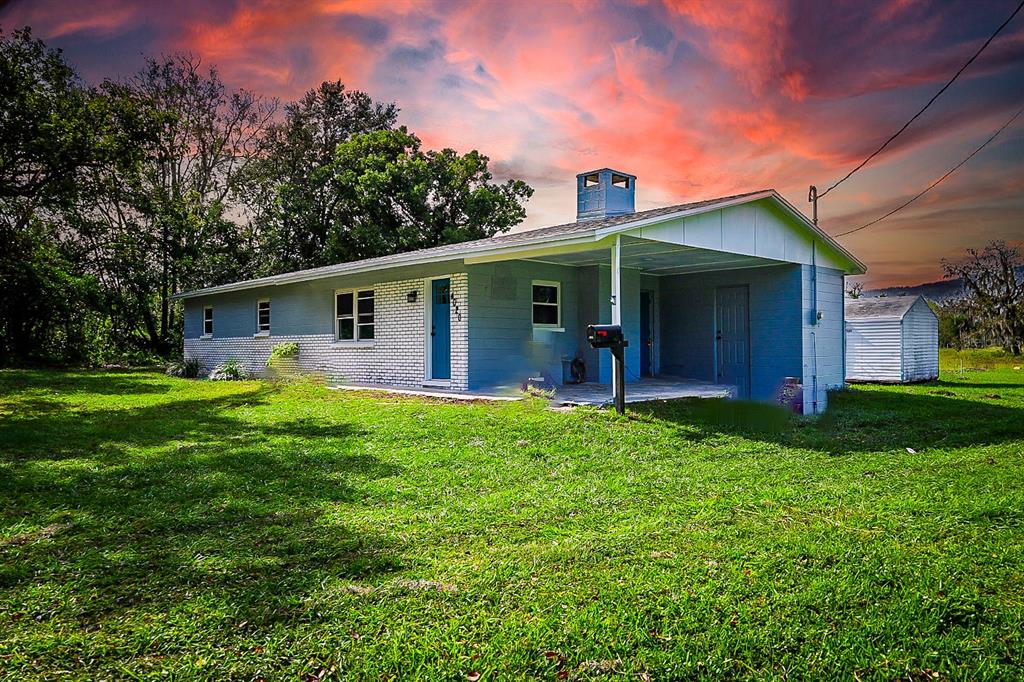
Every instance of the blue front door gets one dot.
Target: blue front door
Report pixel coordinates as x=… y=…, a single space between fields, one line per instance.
x=440 y=329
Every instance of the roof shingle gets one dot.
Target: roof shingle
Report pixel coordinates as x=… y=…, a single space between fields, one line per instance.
x=889 y=307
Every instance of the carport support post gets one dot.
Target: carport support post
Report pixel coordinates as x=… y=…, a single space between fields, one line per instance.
x=617 y=358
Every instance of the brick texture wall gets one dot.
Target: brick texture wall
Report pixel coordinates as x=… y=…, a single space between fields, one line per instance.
x=394 y=357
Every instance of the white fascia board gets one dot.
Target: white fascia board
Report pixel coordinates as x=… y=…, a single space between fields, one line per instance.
x=520 y=250
x=335 y=271
x=859 y=268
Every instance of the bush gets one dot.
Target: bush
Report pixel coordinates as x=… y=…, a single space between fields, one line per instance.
x=282 y=351
x=188 y=368
x=229 y=370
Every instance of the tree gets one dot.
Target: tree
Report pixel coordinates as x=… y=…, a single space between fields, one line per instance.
x=394 y=197
x=163 y=225
x=994 y=291
x=289 y=190
x=336 y=182
x=956 y=323
x=53 y=130
x=855 y=290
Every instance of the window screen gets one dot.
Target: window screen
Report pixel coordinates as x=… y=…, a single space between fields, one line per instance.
x=365 y=314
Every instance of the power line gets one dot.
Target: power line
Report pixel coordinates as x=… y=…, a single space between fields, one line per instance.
x=935 y=97
x=929 y=187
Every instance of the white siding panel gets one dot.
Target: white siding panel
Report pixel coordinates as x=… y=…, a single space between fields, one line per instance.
x=873 y=350
x=920 y=343
x=671 y=232
x=738 y=230
x=704 y=230
x=770 y=234
x=798 y=247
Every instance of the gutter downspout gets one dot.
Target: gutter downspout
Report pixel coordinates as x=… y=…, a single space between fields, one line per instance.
x=814 y=325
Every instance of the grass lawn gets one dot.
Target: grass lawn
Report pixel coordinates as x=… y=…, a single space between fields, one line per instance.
x=157 y=527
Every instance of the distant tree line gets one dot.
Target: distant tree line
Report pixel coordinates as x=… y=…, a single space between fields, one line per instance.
x=113 y=197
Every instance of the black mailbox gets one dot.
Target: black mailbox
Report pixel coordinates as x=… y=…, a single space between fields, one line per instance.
x=610 y=336
x=606 y=336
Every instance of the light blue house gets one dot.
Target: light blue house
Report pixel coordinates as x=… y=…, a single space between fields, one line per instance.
x=742 y=291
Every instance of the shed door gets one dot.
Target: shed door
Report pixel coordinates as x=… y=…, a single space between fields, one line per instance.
x=440 y=329
x=732 y=338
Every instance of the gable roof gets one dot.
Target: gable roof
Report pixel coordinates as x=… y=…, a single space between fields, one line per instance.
x=879 y=308
x=582 y=230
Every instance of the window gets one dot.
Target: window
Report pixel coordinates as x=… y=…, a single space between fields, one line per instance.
x=354 y=313
x=263 y=316
x=620 y=181
x=208 y=321
x=547 y=304
x=591 y=179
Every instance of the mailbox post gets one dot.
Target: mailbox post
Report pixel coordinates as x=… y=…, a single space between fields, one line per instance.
x=610 y=336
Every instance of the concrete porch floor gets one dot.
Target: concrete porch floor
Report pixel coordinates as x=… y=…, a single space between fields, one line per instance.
x=648 y=388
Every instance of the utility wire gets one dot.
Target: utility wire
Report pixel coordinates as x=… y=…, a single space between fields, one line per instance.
x=929 y=187
x=935 y=97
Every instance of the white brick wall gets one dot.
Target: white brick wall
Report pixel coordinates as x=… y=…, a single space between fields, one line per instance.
x=395 y=357
x=460 y=331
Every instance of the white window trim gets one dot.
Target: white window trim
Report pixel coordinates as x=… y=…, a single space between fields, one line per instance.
x=354 y=342
x=270 y=322
x=558 y=304
x=207 y=334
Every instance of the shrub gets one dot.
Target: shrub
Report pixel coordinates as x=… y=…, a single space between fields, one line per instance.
x=187 y=368
x=229 y=370
x=539 y=392
x=282 y=351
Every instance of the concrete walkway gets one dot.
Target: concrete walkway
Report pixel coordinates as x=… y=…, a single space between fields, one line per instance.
x=431 y=392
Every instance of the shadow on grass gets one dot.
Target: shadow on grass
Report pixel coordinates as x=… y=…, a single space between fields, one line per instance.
x=48 y=429
x=856 y=421
x=214 y=509
x=968 y=383
x=107 y=382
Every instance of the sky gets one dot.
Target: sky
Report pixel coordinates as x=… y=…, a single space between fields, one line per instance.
x=697 y=99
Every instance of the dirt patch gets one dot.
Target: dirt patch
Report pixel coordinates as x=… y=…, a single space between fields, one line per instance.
x=44 y=533
x=425 y=586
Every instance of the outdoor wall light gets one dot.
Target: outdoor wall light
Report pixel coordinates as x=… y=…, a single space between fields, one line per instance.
x=412 y=296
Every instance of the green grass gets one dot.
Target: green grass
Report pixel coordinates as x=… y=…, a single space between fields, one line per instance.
x=158 y=527
x=978 y=358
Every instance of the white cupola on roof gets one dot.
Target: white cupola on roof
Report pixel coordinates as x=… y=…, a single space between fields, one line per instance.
x=604 y=193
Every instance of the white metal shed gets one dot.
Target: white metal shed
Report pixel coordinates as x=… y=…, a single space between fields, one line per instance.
x=893 y=339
